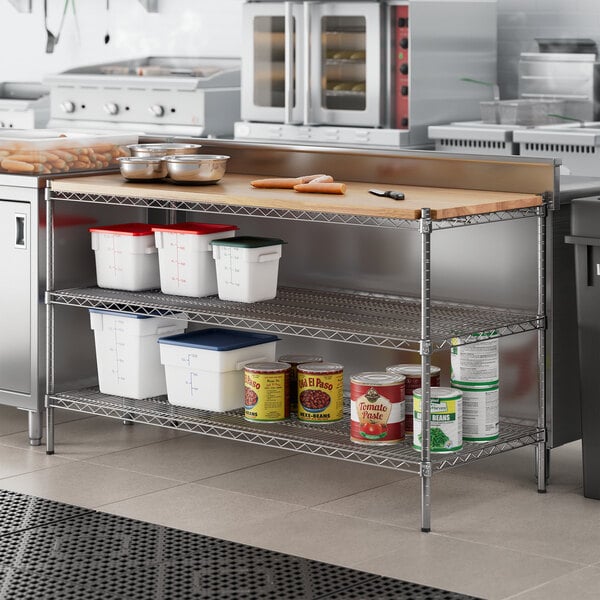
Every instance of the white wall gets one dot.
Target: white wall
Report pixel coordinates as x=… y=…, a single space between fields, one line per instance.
x=213 y=28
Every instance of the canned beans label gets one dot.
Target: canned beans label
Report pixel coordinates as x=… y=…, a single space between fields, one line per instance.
x=320 y=397
x=445 y=421
x=265 y=396
x=377 y=413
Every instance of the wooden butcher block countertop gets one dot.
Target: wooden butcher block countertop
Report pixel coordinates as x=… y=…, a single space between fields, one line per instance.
x=235 y=189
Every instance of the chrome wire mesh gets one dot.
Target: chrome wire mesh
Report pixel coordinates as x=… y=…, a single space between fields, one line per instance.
x=330 y=440
x=360 y=318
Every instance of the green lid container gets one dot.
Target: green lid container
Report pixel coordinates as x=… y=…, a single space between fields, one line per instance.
x=248 y=241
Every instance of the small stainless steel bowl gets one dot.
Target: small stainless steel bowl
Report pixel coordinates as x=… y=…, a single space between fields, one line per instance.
x=138 y=168
x=199 y=169
x=163 y=149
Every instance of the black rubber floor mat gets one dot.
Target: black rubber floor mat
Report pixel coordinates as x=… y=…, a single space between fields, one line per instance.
x=98 y=556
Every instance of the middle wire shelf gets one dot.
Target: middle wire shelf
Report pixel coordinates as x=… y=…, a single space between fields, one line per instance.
x=380 y=320
x=329 y=440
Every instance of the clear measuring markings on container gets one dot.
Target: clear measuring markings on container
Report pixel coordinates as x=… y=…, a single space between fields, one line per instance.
x=480 y=410
x=320 y=392
x=294 y=360
x=377 y=408
x=412 y=374
x=477 y=362
x=445 y=419
x=266 y=391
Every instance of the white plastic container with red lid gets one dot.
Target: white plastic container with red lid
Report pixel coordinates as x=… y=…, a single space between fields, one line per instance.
x=185 y=257
x=126 y=257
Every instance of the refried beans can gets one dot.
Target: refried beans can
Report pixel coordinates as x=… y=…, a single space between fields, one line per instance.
x=445 y=434
x=412 y=373
x=320 y=392
x=266 y=391
x=294 y=360
x=377 y=408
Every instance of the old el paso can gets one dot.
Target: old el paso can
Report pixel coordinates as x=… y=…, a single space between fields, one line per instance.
x=294 y=360
x=320 y=392
x=266 y=391
x=377 y=408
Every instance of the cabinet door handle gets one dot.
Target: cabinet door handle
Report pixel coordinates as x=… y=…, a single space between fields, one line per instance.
x=20 y=231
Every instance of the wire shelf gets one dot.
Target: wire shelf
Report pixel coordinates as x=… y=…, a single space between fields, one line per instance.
x=331 y=440
x=342 y=316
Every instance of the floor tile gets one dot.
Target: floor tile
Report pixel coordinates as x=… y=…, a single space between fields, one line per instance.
x=14 y=420
x=84 y=484
x=304 y=479
x=200 y=509
x=16 y=461
x=469 y=568
x=94 y=436
x=320 y=536
x=191 y=457
x=583 y=584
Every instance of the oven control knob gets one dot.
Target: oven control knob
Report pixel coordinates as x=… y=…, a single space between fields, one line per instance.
x=111 y=108
x=67 y=106
x=157 y=110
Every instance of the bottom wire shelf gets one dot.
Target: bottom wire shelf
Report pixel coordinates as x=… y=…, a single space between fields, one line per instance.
x=332 y=440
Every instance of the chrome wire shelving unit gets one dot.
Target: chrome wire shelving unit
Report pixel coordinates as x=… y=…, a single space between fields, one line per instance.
x=381 y=320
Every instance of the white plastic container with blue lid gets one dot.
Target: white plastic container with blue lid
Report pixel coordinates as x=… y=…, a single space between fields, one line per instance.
x=127 y=352
x=205 y=368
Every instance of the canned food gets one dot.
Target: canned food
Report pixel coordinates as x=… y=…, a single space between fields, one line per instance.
x=475 y=363
x=445 y=419
x=294 y=360
x=377 y=408
x=320 y=392
x=481 y=412
x=266 y=391
x=412 y=373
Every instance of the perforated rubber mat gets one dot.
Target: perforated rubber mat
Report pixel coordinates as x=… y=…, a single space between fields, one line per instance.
x=54 y=551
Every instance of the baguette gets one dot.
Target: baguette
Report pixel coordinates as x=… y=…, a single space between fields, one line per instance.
x=321 y=188
x=286 y=183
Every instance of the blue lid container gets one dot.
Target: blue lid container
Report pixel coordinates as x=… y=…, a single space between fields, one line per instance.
x=220 y=340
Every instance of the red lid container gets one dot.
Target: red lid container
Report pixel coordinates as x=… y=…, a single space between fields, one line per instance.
x=125 y=229
x=195 y=228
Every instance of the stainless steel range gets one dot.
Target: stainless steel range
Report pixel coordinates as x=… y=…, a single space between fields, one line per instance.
x=23 y=105
x=156 y=95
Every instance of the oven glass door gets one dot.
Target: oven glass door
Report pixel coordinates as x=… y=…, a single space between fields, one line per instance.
x=271 y=72
x=346 y=61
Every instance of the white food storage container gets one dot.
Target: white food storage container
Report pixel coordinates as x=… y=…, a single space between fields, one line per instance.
x=126 y=257
x=247 y=267
x=205 y=368
x=185 y=257
x=127 y=352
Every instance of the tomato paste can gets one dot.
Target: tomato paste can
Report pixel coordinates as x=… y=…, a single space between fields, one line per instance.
x=320 y=392
x=266 y=391
x=481 y=412
x=377 y=408
x=412 y=373
x=445 y=419
x=475 y=363
x=294 y=360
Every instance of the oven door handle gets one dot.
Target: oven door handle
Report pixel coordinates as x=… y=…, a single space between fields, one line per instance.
x=288 y=62
x=306 y=104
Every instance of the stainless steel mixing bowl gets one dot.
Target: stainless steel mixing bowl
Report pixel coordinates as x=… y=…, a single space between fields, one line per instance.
x=138 y=168
x=163 y=149
x=199 y=169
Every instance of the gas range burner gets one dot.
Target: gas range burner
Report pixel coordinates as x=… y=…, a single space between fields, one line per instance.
x=23 y=105
x=189 y=96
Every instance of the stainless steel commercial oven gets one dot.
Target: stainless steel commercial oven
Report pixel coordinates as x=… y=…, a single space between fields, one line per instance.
x=363 y=72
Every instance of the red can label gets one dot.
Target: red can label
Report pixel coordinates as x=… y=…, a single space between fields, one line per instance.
x=377 y=413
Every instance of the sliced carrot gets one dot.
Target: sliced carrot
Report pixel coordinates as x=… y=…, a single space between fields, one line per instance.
x=321 y=188
x=322 y=179
x=284 y=182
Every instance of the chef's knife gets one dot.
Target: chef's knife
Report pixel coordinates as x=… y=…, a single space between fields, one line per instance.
x=388 y=194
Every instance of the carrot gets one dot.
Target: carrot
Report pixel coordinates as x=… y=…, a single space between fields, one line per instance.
x=321 y=188
x=321 y=179
x=284 y=182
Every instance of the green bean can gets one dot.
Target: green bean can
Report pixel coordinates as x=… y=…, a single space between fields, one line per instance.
x=445 y=419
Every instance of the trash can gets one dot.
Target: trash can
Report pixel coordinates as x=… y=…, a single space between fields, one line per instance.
x=585 y=235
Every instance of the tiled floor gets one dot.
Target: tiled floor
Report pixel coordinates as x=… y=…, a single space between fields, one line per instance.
x=493 y=536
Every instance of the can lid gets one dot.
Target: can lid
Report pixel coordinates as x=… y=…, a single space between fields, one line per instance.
x=377 y=378
x=440 y=393
x=125 y=229
x=411 y=370
x=298 y=359
x=267 y=367
x=195 y=228
x=322 y=367
x=248 y=241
